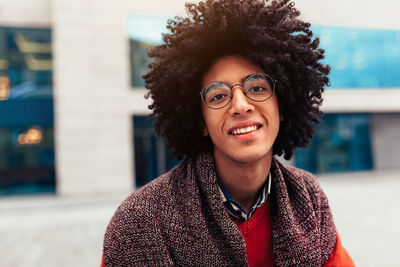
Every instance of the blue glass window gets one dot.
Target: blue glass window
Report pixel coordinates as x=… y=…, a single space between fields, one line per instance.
x=144 y=32
x=139 y=61
x=26 y=108
x=341 y=143
x=152 y=158
x=361 y=58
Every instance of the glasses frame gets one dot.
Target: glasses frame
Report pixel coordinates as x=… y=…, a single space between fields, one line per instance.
x=268 y=78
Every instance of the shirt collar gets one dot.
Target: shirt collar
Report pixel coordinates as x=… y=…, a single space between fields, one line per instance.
x=235 y=209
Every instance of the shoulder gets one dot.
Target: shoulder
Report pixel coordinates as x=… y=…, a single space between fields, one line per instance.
x=302 y=182
x=135 y=228
x=147 y=201
x=305 y=177
x=293 y=175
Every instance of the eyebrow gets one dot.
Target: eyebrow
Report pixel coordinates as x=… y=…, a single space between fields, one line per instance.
x=245 y=78
x=241 y=80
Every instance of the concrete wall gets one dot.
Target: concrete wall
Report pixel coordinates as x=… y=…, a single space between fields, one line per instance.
x=92 y=119
x=385 y=138
x=23 y=13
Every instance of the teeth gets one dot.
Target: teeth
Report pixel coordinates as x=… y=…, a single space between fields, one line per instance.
x=244 y=130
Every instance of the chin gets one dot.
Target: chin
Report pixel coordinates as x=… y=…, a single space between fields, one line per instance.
x=251 y=156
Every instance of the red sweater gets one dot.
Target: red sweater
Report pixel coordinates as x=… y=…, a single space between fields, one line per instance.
x=257 y=235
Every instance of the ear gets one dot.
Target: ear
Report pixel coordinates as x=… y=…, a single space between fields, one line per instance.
x=205 y=131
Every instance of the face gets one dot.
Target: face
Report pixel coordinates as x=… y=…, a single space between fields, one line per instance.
x=244 y=131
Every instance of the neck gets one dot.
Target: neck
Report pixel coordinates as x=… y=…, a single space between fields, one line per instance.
x=243 y=180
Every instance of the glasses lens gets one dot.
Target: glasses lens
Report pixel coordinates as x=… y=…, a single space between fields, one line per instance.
x=258 y=87
x=217 y=95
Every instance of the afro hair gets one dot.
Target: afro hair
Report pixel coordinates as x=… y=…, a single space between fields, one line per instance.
x=266 y=33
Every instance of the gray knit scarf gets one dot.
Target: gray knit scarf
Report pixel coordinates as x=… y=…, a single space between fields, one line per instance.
x=179 y=220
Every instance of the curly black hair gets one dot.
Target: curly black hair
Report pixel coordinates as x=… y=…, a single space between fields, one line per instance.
x=266 y=33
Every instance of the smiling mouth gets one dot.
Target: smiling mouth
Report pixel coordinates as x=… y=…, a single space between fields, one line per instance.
x=245 y=130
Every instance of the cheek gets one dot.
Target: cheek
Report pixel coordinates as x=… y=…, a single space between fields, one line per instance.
x=213 y=122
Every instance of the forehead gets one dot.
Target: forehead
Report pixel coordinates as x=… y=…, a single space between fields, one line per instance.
x=230 y=69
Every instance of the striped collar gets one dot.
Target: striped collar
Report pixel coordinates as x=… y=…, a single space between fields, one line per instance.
x=235 y=209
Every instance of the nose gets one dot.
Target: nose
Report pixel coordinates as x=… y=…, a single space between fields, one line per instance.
x=240 y=103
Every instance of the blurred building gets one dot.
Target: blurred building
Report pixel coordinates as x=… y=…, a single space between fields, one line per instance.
x=73 y=116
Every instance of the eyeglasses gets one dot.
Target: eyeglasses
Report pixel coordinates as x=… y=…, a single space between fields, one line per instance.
x=257 y=87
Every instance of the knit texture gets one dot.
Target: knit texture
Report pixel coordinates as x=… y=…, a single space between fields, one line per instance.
x=179 y=220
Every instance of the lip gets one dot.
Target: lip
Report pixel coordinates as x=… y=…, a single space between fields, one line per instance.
x=244 y=124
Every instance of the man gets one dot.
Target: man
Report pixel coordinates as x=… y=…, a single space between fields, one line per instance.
x=236 y=83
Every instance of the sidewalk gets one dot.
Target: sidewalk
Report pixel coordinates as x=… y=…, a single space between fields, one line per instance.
x=366 y=211
x=50 y=231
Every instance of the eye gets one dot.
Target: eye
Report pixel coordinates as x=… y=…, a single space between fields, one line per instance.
x=218 y=97
x=217 y=93
x=257 y=89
